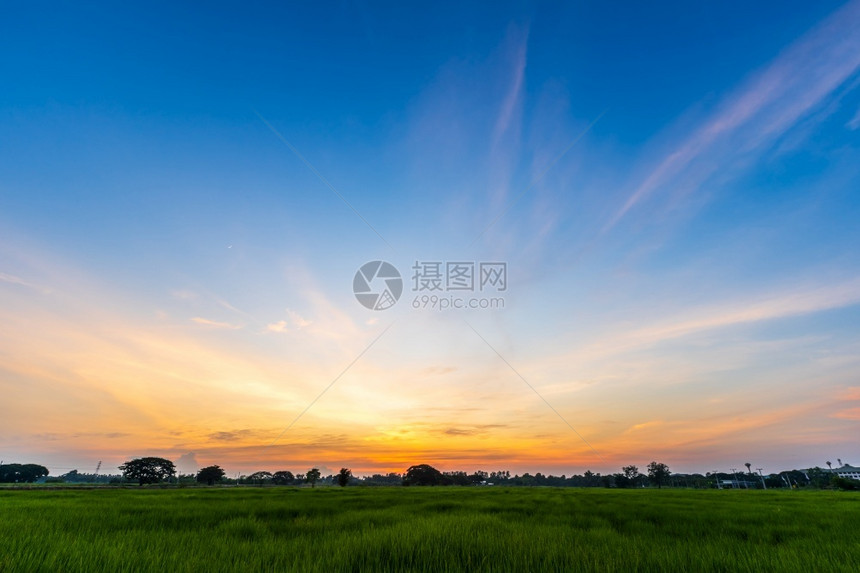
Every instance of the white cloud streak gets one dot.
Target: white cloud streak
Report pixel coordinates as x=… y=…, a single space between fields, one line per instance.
x=508 y=107
x=768 y=308
x=855 y=122
x=214 y=323
x=763 y=109
x=12 y=279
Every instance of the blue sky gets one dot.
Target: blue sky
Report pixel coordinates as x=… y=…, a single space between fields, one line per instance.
x=673 y=187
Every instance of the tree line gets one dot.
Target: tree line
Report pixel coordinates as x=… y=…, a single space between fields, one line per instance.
x=155 y=470
x=151 y=470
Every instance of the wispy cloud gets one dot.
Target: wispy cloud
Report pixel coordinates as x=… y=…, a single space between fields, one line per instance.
x=224 y=304
x=298 y=320
x=214 y=323
x=851 y=393
x=761 y=308
x=277 y=327
x=184 y=295
x=767 y=308
x=855 y=121
x=230 y=436
x=849 y=404
x=482 y=429
x=512 y=97
x=295 y=322
x=762 y=110
x=12 y=279
x=848 y=414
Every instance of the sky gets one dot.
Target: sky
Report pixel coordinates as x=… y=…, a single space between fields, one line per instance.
x=672 y=190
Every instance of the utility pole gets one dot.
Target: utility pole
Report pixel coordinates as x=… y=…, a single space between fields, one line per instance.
x=762 y=478
x=717 y=477
x=735 y=483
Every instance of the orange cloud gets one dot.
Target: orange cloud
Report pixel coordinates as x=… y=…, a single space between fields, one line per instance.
x=849 y=414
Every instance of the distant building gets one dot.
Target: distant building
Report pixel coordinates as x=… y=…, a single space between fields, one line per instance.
x=847 y=471
x=739 y=484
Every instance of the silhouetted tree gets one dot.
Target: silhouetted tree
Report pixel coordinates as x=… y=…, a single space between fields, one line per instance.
x=817 y=477
x=21 y=473
x=630 y=472
x=147 y=470
x=209 y=475
x=312 y=476
x=590 y=479
x=844 y=483
x=423 y=474
x=75 y=476
x=259 y=477
x=380 y=479
x=343 y=477
x=456 y=478
x=628 y=477
x=283 y=478
x=478 y=477
x=658 y=473
x=70 y=477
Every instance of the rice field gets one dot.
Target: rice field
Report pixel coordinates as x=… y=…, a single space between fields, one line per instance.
x=427 y=529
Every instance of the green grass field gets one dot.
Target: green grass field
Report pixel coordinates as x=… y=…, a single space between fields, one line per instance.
x=427 y=529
